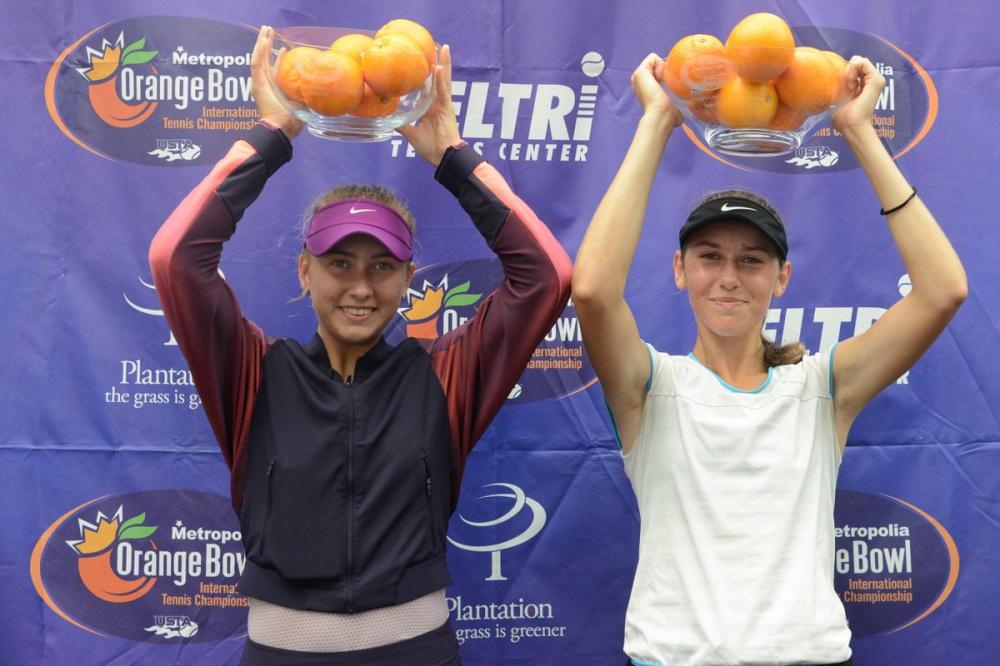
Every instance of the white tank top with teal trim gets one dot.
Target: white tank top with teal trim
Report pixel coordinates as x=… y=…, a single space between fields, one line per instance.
x=735 y=491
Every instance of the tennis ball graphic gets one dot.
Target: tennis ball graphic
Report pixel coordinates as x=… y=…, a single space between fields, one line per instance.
x=592 y=64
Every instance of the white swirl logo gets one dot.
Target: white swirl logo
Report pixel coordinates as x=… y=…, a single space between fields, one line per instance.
x=149 y=311
x=153 y=311
x=520 y=502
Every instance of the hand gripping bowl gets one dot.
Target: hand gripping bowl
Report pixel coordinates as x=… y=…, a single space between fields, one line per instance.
x=325 y=87
x=757 y=115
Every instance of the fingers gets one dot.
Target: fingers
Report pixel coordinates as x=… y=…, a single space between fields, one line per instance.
x=442 y=83
x=650 y=62
x=261 y=47
x=442 y=88
x=861 y=73
x=445 y=62
x=650 y=67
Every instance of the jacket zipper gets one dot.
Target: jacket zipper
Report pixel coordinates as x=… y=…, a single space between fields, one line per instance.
x=350 y=497
x=270 y=501
x=430 y=504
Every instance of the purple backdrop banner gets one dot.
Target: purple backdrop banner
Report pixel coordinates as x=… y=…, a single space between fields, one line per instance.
x=118 y=543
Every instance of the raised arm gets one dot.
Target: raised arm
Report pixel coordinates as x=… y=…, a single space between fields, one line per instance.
x=602 y=263
x=223 y=350
x=479 y=362
x=867 y=363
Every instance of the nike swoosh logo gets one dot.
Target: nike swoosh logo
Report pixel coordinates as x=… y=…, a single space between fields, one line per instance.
x=726 y=208
x=361 y=210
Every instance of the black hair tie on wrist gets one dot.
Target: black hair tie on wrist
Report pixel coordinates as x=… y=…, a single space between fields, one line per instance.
x=882 y=211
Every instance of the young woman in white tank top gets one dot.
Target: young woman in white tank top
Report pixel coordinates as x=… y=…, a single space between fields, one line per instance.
x=733 y=450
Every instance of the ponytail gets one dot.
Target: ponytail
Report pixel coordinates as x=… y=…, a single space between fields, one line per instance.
x=775 y=355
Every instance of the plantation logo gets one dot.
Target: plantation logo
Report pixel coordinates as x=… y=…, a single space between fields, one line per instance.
x=162 y=90
x=895 y=563
x=102 y=73
x=536 y=517
x=153 y=312
x=141 y=566
x=423 y=313
x=904 y=114
x=95 y=548
x=451 y=294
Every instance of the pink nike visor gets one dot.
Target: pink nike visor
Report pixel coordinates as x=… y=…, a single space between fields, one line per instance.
x=335 y=222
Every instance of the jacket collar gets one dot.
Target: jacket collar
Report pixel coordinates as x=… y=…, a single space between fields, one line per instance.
x=363 y=369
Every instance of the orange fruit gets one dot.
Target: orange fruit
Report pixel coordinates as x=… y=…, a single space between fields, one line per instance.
x=353 y=45
x=417 y=33
x=394 y=65
x=742 y=103
x=786 y=118
x=331 y=83
x=839 y=66
x=839 y=62
x=703 y=108
x=761 y=45
x=374 y=105
x=289 y=68
x=809 y=83
x=696 y=63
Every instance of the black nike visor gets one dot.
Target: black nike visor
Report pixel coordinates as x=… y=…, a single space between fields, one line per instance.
x=740 y=209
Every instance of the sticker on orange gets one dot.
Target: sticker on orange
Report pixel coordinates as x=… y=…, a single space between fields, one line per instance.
x=158 y=566
x=443 y=297
x=904 y=113
x=895 y=563
x=154 y=90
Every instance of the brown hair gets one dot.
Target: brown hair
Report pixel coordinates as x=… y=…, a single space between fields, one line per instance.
x=774 y=354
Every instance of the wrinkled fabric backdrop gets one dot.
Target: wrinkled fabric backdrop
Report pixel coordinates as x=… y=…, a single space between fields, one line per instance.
x=118 y=541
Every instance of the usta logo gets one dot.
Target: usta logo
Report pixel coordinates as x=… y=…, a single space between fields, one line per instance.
x=176 y=149
x=811 y=157
x=173 y=626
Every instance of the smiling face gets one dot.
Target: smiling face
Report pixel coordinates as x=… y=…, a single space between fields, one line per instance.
x=731 y=271
x=355 y=288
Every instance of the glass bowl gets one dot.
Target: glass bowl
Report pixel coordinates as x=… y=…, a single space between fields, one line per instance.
x=750 y=118
x=318 y=110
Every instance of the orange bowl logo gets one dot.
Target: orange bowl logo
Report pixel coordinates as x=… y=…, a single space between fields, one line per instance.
x=450 y=294
x=895 y=564
x=98 y=567
x=154 y=90
x=423 y=312
x=95 y=548
x=102 y=75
